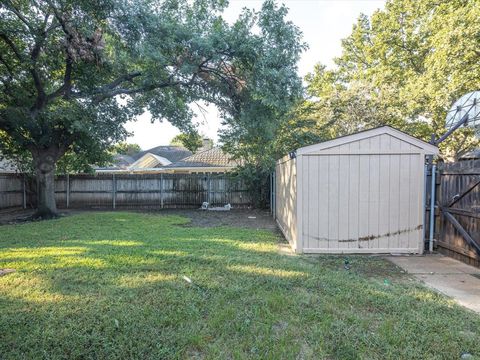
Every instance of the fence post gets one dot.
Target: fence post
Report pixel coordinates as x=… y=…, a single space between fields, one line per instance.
x=274 y=194
x=161 y=190
x=270 y=177
x=24 y=188
x=114 y=190
x=67 y=179
x=424 y=203
x=208 y=189
x=432 y=210
x=226 y=200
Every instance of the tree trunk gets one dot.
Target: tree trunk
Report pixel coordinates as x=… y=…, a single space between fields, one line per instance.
x=44 y=161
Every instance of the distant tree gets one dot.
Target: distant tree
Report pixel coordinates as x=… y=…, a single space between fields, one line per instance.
x=191 y=140
x=405 y=65
x=125 y=148
x=80 y=161
x=250 y=134
x=64 y=64
x=75 y=160
x=337 y=108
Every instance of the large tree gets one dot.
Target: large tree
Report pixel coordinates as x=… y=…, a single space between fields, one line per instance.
x=250 y=133
x=191 y=141
x=72 y=72
x=403 y=66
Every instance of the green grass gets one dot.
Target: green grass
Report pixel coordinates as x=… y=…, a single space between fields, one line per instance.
x=111 y=286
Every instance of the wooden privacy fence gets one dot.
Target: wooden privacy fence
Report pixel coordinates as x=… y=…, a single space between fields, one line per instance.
x=13 y=191
x=458 y=216
x=130 y=191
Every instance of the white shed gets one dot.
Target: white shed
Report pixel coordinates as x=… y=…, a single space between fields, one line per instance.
x=360 y=193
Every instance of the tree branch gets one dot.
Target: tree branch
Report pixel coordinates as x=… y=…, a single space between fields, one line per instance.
x=12 y=46
x=41 y=96
x=119 y=81
x=7 y=66
x=99 y=97
x=66 y=87
x=60 y=20
x=19 y=15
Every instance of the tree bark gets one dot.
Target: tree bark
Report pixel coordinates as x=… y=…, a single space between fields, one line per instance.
x=44 y=162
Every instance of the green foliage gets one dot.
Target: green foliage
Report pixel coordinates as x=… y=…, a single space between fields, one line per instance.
x=125 y=148
x=191 y=141
x=404 y=67
x=81 y=161
x=112 y=286
x=75 y=160
x=250 y=132
x=339 y=109
x=73 y=72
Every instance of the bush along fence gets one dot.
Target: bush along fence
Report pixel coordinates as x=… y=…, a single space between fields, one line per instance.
x=129 y=191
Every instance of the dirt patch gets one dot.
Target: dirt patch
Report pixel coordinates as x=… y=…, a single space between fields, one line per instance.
x=369 y=266
x=247 y=218
x=13 y=216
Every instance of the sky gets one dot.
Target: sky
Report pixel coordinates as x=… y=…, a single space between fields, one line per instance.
x=324 y=24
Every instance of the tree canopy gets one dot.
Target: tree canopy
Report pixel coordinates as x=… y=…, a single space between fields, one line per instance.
x=250 y=133
x=125 y=148
x=72 y=72
x=191 y=141
x=403 y=66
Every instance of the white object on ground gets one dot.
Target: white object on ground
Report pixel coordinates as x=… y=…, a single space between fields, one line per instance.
x=223 y=208
x=252 y=217
x=205 y=205
x=187 y=279
x=6 y=271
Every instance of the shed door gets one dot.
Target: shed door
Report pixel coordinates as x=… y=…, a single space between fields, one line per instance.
x=362 y=203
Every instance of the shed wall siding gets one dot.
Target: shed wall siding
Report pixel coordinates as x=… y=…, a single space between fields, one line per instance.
x=286 y=199
x=363 y=197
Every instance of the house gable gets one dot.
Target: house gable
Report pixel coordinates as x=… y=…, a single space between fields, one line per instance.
x=149 y=161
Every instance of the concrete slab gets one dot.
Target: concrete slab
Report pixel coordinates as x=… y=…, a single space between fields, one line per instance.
x=464 y=288
x=446 y=275
x=437 y=264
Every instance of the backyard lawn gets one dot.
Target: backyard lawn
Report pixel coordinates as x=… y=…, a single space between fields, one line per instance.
x=149 y=286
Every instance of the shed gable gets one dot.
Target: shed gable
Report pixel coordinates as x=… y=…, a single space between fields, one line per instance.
x=376 y=141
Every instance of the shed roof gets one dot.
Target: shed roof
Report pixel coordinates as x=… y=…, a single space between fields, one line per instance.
x=427 y=148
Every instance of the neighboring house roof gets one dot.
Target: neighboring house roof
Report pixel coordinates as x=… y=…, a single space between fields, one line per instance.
x=149 y=161
x=120 y=162
x=213 y=158
x=123 y=161
x=172 y=153
x=471 y=155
